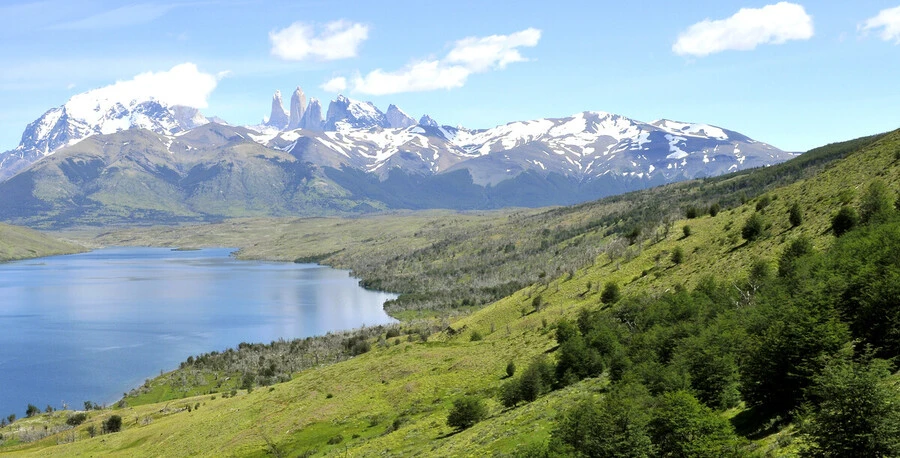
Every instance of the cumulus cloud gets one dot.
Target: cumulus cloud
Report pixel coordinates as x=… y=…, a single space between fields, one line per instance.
x=338 y=84
x=888 y=21
x=184 y=85
x=746 y=29
x=336 y=40
x=468 y=56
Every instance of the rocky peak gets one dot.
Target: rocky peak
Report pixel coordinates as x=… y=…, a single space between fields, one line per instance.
x=279 y=118
x=427 y=121
x=298 y=107
x=312 y=117
x=397 y=119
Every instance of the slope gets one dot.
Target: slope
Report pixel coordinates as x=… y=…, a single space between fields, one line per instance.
x=395 y=398
x=22 y=243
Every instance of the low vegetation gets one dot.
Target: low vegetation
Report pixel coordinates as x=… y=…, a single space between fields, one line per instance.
x=749 y=346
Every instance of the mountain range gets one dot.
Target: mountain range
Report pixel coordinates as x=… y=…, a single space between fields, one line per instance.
x=96 y=160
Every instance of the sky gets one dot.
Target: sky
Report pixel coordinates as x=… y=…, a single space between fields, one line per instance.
x=793 y=74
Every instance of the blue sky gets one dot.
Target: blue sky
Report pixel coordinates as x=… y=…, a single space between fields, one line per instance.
x=796 y=75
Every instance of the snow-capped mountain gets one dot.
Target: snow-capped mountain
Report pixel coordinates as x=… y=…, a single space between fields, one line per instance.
x=355 y=159
x=583 y=146
x=345 y=113
x=93 y=113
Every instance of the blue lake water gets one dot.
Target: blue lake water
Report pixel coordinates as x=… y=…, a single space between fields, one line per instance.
x=92 y=326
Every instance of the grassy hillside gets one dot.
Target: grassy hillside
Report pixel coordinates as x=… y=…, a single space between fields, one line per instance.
x=394 y=399
x=23 y=243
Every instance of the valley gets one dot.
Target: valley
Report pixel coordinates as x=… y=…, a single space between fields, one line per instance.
x=469 y=286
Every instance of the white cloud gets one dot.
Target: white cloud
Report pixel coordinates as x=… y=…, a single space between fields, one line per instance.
x=337 y=40
x=468 y=56
x=888 y=21
x=338 y=84
x=746 y=29
x=481 y=54
x=184 y=85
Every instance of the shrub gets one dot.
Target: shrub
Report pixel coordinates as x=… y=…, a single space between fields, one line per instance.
x=466 y=412
x=753 y=228
x=691 y=212
x=686 y=230
x=763 y=202
x=678 y=255
x=537 y=302
x=113 y=424
x=336 y=440
x=476 y=336
x=510 y=369
x=714 y=209
x=32 y=410
x=876 y=202
x=393 y=332
x=76 y=419
x=795 y=216
x=611 y=293
x=844 y=221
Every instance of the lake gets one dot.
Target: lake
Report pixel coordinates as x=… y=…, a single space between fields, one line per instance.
x=89 y=327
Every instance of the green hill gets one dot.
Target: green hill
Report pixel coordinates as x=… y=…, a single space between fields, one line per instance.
x=23 y=243
x=723 y=334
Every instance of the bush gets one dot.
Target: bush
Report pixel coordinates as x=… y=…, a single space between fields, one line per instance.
x=336 y=440
x=466 y=412
x=763 y=202
x=686 y=230
x=32 y=410
x=714 y=209
x=678 y=255
x=844 y=221
x=475 y=337
x=682 y=426
x=691 y=212
x=876 y=203
x=753 y=228
x=393 y=332
x=611 y=293
x=510 y=369
x=795 y=216
x=76 y=419
x=113 y=424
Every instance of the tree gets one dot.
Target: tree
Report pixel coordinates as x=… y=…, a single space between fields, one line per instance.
x=614 y=426
x=11 y=418
x=611 y=293
x=857 y=414
x=113 y=424
x=753 y=228
x=510 y=369
x=32 y=410
x=677 y=255
x=795 y=216
x=714 y=209
x=844 y=220
x=466 y=412
x=799 y=247
x=876 y=203
x=683 y=427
